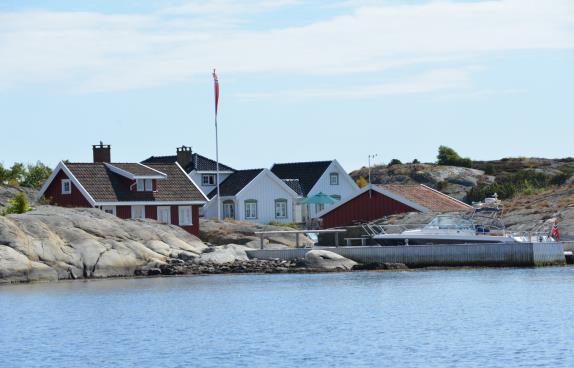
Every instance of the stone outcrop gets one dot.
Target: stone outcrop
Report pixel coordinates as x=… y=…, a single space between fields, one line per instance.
x=328 y=261
x=243 y=233
x=54 y=242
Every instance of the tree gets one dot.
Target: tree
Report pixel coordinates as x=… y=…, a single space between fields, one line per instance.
x=416 y=161
x=19 y=204
x=448 y=156
x=4 y=173
x=36 y=175
x=395 y=161
x=362 y=182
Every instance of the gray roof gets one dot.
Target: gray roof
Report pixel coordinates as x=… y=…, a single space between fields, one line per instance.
x=307 y=173
x=198 y=162
x=235 y=182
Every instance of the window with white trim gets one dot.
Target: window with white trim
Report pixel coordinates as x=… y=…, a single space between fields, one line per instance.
x=66 y=186
x=149 y=185
x=334 y=179
x=281 y=208
x=164 y=214
x=251 y=209
x=140 y=185
x=319 y=207
x=138 y=212
x=185 y=216
x=208 y=179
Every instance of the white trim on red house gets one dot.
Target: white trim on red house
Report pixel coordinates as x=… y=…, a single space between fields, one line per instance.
x=62 y=166
x=151 y=203
x=382 y=191
x=131 y=176
x=193 y=182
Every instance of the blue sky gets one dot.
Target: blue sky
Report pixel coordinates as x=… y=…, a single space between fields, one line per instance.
x=299 y=80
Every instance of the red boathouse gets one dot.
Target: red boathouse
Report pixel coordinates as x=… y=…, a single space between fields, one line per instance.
x=377 y=201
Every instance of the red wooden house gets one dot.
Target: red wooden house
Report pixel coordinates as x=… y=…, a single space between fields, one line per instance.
x=377 y=201
x=163 y=192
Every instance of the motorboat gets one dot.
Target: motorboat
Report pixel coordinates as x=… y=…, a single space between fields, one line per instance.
x=481 y=225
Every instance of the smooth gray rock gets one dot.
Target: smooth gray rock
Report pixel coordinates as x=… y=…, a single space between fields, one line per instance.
x=224 y=254
x=86 y=243
x=325 y=260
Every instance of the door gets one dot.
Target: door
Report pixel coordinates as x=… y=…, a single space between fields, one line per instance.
x=164 y=214
x=229 y=210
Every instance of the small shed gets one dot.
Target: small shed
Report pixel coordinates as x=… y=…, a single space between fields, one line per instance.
x=377 y=201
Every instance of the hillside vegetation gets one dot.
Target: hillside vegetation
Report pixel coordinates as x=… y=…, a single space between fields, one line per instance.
x=472 y=181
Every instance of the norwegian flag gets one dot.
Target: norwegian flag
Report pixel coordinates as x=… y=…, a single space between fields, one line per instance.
x=216 y=90
x=555 y=232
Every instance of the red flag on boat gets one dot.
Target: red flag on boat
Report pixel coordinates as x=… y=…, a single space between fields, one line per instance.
x=216 y=89
x=555 y=232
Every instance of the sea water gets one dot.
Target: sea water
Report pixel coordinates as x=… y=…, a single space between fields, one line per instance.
x=443 y=318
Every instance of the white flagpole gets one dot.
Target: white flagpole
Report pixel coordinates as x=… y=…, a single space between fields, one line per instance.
x=217 y=152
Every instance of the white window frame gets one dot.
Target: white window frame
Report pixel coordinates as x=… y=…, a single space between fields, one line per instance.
x=319 y=207
x=140 y=185
x=250 y=212
x=334 y=176
x=181 y=215
x=208 y=183
x=136 y=208
x=107 y=208
x=63 y=184
x=282 y=202
x=149 y=185
x=159 y=209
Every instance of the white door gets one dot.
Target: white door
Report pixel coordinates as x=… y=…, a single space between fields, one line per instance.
x=229 y=210
x=164 y=214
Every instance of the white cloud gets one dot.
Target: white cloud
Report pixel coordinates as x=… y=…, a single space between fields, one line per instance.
x=101 y=52
x=432 y=81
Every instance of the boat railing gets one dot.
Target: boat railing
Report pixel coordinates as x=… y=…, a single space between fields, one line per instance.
x=478 y=229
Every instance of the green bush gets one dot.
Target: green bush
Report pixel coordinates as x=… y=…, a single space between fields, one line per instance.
x=290 y=225
x=442 y=185
x=19 y=204
x=448 y=156
x=416 y=161
x=394 y=161
x=525 y=181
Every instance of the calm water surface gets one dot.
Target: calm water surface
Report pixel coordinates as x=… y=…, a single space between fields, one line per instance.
x=455 y=318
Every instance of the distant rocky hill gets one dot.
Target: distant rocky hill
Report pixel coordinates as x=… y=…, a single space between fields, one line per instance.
x=455 y=181
x=458 y=181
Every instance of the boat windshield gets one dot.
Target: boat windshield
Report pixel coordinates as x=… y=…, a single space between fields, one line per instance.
x=450 y=222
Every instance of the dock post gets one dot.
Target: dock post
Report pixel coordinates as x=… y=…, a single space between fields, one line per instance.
x=363 y=241
x=261 y=235
x=296 y=240
x=337 y=239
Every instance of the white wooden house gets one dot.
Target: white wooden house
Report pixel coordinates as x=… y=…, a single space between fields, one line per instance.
x=254 y=195
x=312 y=178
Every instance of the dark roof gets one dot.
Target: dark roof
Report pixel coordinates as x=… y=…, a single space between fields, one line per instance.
x=427 y=197
x=198 y=162
x=136 y=169
x=235 y=182
x=295 y=185
x=308 y=173
x=106 y=186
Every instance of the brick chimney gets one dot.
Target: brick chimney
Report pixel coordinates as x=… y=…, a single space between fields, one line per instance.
x=102 y=152
x=184 y=156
